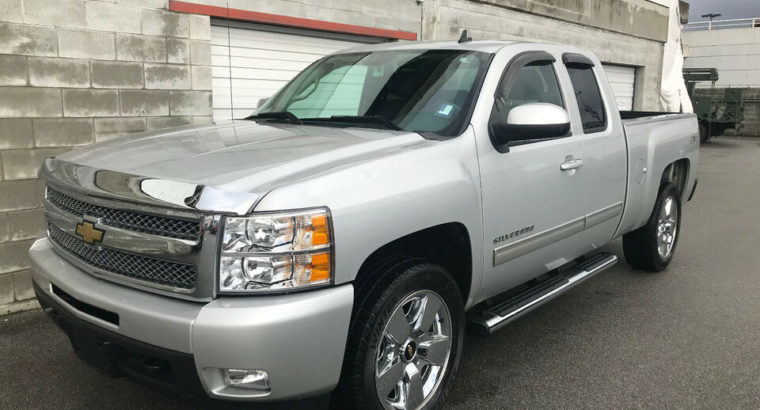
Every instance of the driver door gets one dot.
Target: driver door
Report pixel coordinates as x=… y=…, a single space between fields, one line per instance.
x=532 y=209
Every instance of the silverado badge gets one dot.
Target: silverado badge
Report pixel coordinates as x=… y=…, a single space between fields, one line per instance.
x=513 y=234
x=89 y=232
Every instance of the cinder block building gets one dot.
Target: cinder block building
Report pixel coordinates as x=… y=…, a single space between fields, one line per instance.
x=73 y=72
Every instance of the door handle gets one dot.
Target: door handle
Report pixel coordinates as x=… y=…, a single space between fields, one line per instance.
x=571 y=164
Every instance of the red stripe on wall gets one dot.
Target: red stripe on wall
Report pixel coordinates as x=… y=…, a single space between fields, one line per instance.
x=276 y=19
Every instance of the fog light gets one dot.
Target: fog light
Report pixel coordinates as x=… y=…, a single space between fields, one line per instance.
x=247 y=378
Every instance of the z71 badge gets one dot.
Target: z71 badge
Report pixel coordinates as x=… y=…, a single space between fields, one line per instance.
x=521 y=231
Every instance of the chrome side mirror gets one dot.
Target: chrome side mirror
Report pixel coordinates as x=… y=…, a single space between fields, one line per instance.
x=533 y=121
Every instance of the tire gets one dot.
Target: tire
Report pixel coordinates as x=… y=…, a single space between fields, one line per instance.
x=703 y=134
x=642 y=248
x=379 y=317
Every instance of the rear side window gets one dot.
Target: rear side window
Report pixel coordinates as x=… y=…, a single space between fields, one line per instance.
x=589 y=98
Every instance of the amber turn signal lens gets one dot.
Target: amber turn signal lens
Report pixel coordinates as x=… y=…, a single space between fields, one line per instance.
x=319 y=232
x=320 y=267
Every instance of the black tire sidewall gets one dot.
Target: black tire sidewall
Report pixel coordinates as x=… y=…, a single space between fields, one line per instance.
x=703 y=134
x=383 y=302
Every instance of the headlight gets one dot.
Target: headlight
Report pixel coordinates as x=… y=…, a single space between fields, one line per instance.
x=276 y=252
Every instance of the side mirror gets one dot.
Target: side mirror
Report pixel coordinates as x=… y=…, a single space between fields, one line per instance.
x=261 y=102
x=533 y=121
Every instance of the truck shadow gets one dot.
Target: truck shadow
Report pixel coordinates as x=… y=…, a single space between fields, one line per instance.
x=518 y=366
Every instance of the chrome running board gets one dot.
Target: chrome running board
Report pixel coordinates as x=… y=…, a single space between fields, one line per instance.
x=492 y=318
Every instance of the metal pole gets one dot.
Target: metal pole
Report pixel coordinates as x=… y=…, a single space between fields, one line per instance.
x=711 y=16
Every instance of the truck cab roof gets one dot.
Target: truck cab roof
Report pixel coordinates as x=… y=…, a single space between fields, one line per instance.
x=486 y=46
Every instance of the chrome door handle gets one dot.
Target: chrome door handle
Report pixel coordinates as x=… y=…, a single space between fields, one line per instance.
x=571 y=164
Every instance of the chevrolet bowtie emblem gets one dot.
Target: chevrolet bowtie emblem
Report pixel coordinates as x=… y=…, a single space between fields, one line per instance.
x=89 y=233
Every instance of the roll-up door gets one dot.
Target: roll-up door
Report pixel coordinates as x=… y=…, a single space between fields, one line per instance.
x=251 y=62
x=622 y=79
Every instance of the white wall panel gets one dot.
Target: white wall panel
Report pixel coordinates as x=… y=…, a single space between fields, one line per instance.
x=734 y=52
x=250 y=64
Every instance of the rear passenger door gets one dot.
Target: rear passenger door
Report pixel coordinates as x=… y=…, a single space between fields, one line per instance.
x=605 y=161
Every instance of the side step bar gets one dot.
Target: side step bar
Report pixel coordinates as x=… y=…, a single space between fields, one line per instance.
x=494 y=317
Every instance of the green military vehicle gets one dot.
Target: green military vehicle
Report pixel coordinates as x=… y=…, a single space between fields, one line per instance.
x=716 y=112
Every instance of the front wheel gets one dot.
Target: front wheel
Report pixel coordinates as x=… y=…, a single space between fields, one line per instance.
x=651 y=247
x=405 y=340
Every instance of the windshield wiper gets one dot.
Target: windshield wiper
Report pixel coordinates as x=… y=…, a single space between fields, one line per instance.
x=276 y=115
x=360 y=119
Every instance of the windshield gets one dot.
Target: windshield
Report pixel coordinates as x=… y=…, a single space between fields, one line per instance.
x=411 y=90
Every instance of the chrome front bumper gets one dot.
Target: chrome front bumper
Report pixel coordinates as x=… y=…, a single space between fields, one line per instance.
x=299 y=339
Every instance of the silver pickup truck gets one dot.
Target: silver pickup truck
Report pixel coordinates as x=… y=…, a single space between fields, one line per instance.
x=341 y=239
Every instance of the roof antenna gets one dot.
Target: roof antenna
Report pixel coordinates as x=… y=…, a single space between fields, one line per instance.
x=464 y=38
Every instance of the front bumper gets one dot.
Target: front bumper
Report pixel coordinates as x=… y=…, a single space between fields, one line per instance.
x=299 y=339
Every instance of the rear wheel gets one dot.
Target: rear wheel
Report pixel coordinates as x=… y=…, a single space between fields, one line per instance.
x=405 y=340
x=651 y=247
x=703 y=134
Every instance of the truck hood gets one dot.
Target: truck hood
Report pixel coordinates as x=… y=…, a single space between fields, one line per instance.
x=240 y=156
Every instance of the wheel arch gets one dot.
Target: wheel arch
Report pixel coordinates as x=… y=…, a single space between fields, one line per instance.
x=447 y=244
x=677 y=173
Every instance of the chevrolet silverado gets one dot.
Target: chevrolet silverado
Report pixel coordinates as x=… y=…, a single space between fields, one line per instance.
x=342 y=238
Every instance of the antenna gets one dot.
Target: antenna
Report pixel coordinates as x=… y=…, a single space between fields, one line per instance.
x=464 y=38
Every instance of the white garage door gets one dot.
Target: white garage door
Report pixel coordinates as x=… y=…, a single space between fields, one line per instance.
x=622 y=80
x=250 y=62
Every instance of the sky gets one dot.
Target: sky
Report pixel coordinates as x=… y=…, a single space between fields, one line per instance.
x=729 y=9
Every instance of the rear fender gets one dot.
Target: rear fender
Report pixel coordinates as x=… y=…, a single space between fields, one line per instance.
x=654 y=145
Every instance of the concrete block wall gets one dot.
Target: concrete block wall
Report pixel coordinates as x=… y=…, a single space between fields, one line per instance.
x=506 y=20
x=623 y=32
x=638 y=18
x=405 y=15
x=73 y=72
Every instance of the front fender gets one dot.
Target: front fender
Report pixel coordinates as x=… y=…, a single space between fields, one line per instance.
x=386 y=197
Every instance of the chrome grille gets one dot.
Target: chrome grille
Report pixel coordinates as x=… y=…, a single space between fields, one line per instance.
x=133 y=221
x=177 y=275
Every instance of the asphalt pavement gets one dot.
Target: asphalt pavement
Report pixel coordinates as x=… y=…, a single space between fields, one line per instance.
x=688 y=337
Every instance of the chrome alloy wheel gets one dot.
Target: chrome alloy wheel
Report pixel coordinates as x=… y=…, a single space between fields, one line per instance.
x=667 y=227
x=414 y=351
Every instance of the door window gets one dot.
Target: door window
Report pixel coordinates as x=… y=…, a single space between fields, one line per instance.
x=590 y=103
x=534 y=83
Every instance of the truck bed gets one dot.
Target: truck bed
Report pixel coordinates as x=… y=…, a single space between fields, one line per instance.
x=630 y=115
x=654 y=139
